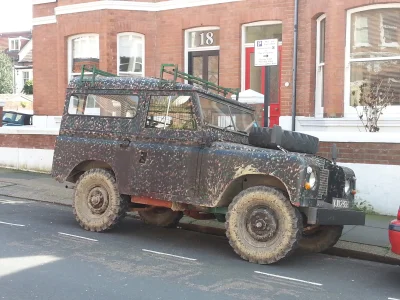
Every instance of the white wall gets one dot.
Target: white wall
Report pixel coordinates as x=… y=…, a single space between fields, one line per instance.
x=377 y=187
x=37 y=160
x=19 y=78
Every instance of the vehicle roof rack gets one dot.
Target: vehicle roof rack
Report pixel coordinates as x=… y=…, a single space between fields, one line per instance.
x=94 y=72
x=172 y=69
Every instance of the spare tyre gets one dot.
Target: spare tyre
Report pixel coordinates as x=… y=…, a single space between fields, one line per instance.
x=288 y=140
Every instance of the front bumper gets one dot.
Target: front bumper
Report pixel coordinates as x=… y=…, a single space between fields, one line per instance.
x=326 y=216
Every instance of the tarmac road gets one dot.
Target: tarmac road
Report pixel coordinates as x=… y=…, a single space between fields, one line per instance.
x=44 y=254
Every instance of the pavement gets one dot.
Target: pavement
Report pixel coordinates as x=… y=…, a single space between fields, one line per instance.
x=369 y=242
x=44 y=254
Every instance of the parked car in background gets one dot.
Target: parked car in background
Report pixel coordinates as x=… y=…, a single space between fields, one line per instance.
x=11 y=118
x=394 y=234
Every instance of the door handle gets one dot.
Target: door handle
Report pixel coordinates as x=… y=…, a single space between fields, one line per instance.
x=125 y=143
x=276 y=108
x=143 y=157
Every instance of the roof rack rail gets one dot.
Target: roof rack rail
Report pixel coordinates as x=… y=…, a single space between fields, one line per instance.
x=166 y=69
x=94 y=72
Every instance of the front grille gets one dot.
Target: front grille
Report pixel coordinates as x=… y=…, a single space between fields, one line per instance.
x=319 y=162
x=323 y=183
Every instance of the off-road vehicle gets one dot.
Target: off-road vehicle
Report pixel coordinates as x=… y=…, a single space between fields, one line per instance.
x=165 y=148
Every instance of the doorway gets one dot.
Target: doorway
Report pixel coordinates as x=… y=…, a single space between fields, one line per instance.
x=205 y=65
x=255 y=79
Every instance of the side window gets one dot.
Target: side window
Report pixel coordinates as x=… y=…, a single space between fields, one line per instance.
x=215 y=113
x=171 y=112
x=124 y=106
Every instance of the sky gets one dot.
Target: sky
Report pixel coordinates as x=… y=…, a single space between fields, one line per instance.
x=15 y=15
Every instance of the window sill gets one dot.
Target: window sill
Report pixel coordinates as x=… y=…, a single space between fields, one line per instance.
x=389 y=45
x=361 y=45
x=356 y=137
x=341 y=126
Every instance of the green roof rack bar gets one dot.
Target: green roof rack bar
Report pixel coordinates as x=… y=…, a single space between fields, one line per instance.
x=94 y=72
x=166 y=69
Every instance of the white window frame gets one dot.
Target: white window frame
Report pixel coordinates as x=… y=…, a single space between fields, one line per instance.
x=142 y=36
x=11 y=42
x=69 y=59
x=24 y=80
x=250 y=45
x=349 y=111
x=319 y=69
x=187 y=49
x=382 y=33
x=358 y=45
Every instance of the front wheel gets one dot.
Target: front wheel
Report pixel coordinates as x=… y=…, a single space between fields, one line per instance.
x=262 y=226
x=97 y=204
x=319 y=239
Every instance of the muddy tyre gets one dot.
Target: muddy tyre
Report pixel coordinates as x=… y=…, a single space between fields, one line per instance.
x=291 y=141
x=161 y=216
x=323 y=238
x=262 y=226
x=97 y=204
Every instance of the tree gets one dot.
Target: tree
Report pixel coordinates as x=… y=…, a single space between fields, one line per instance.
x=375 y=96
x=6 y=82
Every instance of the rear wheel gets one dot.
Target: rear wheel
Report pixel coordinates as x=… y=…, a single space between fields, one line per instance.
x=161 y=216
x=262 y=226
x=97 y=204
x=320 y=238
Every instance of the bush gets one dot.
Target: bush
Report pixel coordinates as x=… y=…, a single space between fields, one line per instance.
x=28 y=87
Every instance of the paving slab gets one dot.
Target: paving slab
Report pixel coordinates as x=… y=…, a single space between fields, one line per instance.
x=378 y=221
x=367 y=235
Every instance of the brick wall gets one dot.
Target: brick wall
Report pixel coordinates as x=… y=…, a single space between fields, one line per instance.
x=46 y=67
x=363 y=153
x=31 y=141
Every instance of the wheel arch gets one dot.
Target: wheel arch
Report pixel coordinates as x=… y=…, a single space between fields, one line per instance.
x=250 y=180
x=86 y=165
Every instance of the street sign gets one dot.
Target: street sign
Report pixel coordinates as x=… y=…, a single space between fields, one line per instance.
x=266 y=53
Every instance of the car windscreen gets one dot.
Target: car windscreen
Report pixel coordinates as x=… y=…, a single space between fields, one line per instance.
x=11 y=117
x=226 y=116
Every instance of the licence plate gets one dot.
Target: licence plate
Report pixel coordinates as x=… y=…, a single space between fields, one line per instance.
x=340 y=203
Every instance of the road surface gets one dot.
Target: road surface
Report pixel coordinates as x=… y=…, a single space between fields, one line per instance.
x=44 y=254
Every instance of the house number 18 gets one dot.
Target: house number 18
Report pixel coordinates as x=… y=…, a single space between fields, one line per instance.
x=206 y=38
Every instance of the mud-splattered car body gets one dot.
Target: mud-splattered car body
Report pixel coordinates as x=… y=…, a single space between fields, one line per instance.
x=204 y=167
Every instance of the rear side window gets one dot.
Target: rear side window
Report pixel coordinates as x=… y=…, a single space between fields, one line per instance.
x=123 y=106
x=171 y=112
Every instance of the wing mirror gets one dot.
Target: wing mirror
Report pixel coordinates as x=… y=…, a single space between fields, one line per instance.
x=334 y=152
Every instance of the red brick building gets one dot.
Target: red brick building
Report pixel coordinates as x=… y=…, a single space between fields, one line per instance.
x=341 y=46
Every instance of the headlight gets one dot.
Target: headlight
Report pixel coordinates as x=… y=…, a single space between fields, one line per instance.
x=347 y=186
x=313 y=179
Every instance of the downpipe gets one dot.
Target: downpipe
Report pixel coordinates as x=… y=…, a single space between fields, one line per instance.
x=294 y=80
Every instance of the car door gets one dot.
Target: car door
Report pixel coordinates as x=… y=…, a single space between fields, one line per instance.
x=169 y=145
x=100 y=127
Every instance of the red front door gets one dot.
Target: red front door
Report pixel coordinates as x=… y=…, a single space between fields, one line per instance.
x=255 y=80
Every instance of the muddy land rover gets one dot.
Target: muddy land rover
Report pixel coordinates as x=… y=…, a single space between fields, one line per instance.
x=167 y=149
